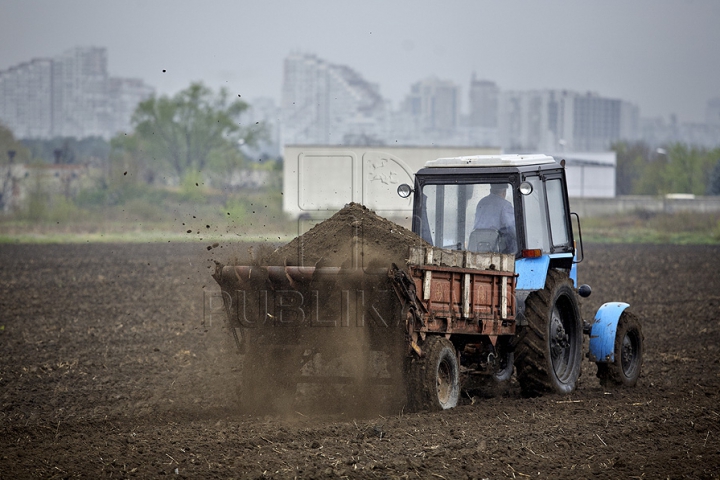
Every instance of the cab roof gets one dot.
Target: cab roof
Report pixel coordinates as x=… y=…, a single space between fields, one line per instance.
x=492 y=161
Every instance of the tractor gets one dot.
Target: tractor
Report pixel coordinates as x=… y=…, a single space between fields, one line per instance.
x=491 y=292
x=534 y=225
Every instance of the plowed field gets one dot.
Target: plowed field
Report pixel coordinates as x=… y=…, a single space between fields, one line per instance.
x=114 y=362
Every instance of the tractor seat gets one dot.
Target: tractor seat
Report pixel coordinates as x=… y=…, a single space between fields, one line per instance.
x=484 y=240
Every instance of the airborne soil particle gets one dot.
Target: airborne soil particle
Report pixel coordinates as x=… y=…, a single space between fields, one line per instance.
x=107 y=369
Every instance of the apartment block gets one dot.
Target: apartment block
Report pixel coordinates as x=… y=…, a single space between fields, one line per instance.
x=329 y=104
x=68 y=95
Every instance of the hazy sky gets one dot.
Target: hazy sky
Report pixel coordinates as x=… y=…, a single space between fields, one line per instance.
x=662 y=55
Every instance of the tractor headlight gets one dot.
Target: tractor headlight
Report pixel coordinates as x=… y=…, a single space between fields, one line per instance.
x=404 y=190
x=526 y=188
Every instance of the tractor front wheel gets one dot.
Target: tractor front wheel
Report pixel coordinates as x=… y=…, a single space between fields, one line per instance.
x=624 y=370
x=548 y=359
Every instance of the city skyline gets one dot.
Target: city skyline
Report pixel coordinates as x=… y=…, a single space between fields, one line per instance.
x=329 y=104
x=332 y=104
x=660 y=55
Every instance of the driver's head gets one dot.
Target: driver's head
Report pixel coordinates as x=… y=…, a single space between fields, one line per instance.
x=499 y=189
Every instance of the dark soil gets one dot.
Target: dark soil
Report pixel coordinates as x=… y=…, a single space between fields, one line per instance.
x=114 y=362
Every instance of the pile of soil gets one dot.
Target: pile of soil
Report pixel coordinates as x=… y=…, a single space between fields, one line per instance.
x=353 y=237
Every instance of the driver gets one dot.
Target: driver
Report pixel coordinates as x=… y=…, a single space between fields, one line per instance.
x=496 y=213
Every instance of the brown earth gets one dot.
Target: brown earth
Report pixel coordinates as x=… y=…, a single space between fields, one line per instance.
x=114 y=362
x=330 y=243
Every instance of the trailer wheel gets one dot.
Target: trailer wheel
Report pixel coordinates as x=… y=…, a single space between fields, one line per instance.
x=628 y=353
x=434 y=380
x=548 y=357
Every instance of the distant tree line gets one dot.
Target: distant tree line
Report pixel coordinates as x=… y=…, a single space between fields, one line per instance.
x=198 y=131
x=676 y=168
x=10 y=146
x=192 y=132
x=69 y=150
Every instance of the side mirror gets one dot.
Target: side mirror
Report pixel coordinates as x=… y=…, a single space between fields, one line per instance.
x=404 y=190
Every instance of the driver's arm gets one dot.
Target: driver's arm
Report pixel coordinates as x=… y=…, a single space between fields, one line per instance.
x=507 y=229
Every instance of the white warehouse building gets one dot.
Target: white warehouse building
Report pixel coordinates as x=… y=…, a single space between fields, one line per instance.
x=589 y=174
x=320 y=180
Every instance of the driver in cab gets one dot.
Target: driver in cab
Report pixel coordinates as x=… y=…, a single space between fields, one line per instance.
x=495 y=221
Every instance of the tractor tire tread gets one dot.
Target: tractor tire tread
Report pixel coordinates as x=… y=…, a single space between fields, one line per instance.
x=532 y=356
x=422 y=376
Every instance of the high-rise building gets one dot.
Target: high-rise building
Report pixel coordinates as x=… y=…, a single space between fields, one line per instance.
x=79 y=82
x=69 y=95
x=483 y=103
x=434 y=106
x=524 y=120
x=561 y=120
x=123 y=97
x=328 y=104
x=26 y=98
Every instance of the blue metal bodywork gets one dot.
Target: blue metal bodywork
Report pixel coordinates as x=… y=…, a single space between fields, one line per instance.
x=604 y=329
x=532 y=272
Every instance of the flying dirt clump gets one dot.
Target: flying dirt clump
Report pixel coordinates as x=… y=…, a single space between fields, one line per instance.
x=353 y=237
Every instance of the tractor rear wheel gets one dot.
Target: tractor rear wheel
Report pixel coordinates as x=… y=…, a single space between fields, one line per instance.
x=434 y=380
x=548 y=359
x=628 y=353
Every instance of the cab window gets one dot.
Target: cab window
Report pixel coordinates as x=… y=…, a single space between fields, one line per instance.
x=536 y=231
x=476 y=217
x=558 y=214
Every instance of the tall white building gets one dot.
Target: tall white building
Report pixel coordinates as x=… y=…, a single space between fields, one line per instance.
x=561 y=120
x=524 y=121
x=123 y=97
x=434 y=106
x=69 y=95
x=484 y=96
x=79 y=82
x=328 y=104
x=26 y=98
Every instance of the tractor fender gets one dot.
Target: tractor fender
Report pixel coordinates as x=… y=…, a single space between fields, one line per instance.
x=602 y=333
x=532 y=272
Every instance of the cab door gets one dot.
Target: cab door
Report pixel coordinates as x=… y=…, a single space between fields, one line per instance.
x=545 y=212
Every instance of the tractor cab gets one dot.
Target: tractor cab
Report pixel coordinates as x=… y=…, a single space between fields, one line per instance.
x=513 y=204
x=453 y=200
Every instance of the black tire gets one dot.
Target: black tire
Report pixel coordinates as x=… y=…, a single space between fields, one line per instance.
x=548 y=359
x=625 y=370
x=434 y=381
x=505 y=370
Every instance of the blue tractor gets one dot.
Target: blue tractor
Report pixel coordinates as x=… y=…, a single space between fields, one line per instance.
x=490 y=292
x=517 y=205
